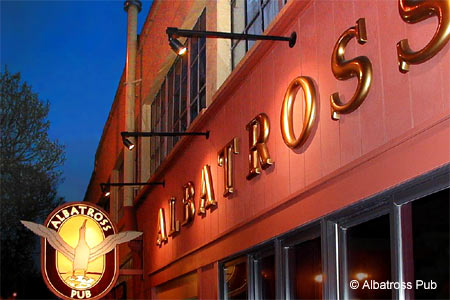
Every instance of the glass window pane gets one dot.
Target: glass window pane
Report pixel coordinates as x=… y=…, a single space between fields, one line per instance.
x=202 y=26
x=153 y=109
x=163 y=106
x=430 y=225
x=194 y=110
x=369 y=257
x=255 y=28
x=238 y=16
x=193 y=49
x=238 y=53
x=176 y=94
x=267 y=277
x=202 y=69
x=235 y=275
x=158 y=107
x=252 y=9
x=193 y=86
x=305 y=270
x=270 y=11
x=176 y=106
x=202 y=99
x=170 y=108
x=184 y=62
x=183 y=123
x=183 y=95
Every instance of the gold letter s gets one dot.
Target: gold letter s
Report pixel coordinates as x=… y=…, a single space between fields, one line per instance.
x=343 y=70
x=416 y=11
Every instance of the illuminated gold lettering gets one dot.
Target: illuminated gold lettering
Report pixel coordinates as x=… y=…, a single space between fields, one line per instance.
x=66 y=213
x=287 y=111
x=188 y=202
x=98 y=216
x=162 y=234
x=90 y=212
x=56 y=223
x=174 y=224
x=359 y=67
x=207 y=198
x=225 y=160
x=414 y=12
x=60 y=218
x=82 y=208
x=258 y=133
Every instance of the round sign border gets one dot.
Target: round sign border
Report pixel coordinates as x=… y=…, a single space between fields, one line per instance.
x=43 y=253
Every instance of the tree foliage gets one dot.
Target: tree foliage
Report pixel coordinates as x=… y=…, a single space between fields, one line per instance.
x=29 y=162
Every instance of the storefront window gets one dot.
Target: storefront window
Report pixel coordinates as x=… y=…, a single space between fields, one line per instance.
x=430 y=230
x=235 y=279
x=375 y=249
x=369 y=258
x=250 y=17
x=265 y=277
x=305 y=270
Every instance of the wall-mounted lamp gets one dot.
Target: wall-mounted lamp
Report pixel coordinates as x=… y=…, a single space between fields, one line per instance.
x=105 y=186
x=173 y=33
x=127 y=143
x=177 y=46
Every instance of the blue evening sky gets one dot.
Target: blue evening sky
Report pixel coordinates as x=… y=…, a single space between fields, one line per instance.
x=72 y=53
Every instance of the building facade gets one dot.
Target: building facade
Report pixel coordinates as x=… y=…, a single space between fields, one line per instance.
x=326 y=165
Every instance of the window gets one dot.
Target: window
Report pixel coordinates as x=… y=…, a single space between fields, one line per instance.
x=430 y=238
x=305 y=270
x=250 y=17
x=235 y=279
x=392 y=246
x=198 y=70
x=181 y=97
x=264 y=275
x=368 y=257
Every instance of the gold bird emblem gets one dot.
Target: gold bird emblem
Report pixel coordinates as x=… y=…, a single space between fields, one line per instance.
x=82 y=254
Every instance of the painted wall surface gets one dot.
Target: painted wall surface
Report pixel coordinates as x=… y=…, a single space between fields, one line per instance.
x=400 y=131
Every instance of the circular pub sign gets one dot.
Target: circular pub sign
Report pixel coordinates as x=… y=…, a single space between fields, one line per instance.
x=79 y=259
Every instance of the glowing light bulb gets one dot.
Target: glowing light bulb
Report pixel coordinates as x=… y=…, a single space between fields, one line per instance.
x=318 y=278
x=361 y=276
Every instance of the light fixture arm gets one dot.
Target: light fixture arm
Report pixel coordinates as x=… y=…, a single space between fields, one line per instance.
x=175 y=32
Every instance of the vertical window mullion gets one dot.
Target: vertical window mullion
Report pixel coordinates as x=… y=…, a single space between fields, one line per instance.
x=402 y=247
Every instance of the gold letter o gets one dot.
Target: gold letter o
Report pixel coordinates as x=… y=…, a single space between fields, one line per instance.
x=287 y=110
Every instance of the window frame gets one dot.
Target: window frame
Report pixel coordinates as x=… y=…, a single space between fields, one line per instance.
x=288 y=241
x=172 y=115
x=249 y=23
x=331 y=229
